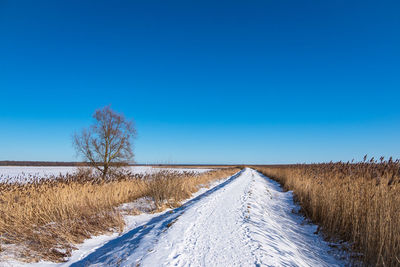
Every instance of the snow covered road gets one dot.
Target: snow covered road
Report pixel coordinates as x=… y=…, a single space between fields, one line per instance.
x=245 y=221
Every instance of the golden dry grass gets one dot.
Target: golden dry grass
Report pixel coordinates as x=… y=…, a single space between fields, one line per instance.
x=46 y=218
x=358 y=203
x=168 y=189
x=195 y=166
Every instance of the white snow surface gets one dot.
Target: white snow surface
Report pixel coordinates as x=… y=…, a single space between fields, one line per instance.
x=25 y=173
x=245 y=220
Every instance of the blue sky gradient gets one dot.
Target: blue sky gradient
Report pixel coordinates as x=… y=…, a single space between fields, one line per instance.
x=205 y=81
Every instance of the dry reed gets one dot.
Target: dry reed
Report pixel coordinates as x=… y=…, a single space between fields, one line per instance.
x=46 y=218
x=356 y=202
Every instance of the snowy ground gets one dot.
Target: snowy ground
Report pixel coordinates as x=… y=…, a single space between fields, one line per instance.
x=245 y=220
x=24 y=173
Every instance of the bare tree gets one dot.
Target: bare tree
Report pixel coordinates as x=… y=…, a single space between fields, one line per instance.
x=107 y=143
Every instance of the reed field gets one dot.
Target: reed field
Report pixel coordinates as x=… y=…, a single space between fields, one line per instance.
x=357 y=203
x=44 y=219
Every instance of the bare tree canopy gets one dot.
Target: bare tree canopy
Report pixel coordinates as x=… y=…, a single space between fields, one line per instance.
x=108 y=142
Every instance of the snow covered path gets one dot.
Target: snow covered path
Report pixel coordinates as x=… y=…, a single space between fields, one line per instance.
x=245 y=221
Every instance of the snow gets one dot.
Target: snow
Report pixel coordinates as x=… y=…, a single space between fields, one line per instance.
x=245 y=220
x=91 y=245
x=25 y=173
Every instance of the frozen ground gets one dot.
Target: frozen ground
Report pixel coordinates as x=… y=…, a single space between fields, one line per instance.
x=23 y=173
x=244 y=221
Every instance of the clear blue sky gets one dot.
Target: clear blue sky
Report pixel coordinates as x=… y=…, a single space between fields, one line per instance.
x=205 y=81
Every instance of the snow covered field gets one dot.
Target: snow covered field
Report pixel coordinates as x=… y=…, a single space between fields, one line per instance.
x=23 y=173
x=245 y=220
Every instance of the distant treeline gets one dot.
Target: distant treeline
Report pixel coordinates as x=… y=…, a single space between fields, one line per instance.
x=43 y=163
x=65 y=163
x=39 y=163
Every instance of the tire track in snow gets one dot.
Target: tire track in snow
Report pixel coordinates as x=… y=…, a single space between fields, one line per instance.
x=278 y=236
x=131 y=247
x=245 y=221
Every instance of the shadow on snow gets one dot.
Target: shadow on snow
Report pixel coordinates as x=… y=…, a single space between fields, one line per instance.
x=126 y=244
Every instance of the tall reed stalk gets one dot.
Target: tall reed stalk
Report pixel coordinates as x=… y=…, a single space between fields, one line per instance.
x=43 y=219
x=356 y=202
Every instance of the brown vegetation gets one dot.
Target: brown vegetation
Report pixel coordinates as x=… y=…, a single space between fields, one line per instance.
x=356 y=202
x=47 y=217
x=168 y=189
